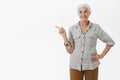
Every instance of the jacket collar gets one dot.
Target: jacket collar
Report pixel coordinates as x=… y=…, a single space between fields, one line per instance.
x=78 y=26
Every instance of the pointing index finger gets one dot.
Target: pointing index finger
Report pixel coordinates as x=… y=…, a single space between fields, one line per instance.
x=57 y=27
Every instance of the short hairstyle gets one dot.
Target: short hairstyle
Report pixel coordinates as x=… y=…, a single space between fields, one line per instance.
x=84 y=5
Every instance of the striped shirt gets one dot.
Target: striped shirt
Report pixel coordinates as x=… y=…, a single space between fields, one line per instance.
x=84 y=45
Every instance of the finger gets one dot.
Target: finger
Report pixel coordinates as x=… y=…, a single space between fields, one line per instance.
x=94 y=58
x=57 y=27
x=94 y=54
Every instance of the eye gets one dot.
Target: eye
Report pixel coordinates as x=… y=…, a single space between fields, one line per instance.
x=80 y=12
x=85 y=11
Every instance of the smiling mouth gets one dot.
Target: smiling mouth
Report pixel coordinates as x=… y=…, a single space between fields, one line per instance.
x=83 y=18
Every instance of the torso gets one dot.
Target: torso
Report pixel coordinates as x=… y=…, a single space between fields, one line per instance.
x=83 y=29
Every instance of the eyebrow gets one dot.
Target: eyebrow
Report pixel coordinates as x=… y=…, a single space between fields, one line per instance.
x=84 y=11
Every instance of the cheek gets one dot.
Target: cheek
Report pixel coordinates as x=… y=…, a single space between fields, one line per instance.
x=87 y=15
x=79 y=15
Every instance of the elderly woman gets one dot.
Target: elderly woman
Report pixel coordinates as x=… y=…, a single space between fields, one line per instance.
x=84 y=59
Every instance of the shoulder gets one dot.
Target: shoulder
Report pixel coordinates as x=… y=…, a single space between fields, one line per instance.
x=73 y=27
x=95 y=25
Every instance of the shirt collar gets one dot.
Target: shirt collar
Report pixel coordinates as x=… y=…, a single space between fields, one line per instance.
x=78 y=26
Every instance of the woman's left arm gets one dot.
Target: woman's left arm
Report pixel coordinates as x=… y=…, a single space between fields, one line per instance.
x=103 y=36
x=105 y=51
x=97 y=56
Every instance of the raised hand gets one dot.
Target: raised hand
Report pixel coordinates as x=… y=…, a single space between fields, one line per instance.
x=62 y=31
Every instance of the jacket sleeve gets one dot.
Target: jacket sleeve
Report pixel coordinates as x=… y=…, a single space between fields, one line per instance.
x=71 y=40
x=103 y=36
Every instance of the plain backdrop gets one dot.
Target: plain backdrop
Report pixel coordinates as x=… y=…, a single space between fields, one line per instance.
x=32 y=49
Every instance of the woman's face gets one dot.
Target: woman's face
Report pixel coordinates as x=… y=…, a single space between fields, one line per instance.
x=83 y=14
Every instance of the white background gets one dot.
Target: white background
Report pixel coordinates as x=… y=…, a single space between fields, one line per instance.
x=32 y=49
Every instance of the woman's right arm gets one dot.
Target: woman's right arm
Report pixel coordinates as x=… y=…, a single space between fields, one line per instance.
x=67 y=44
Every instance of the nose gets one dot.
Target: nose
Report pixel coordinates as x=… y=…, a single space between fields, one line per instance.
x=83 y=14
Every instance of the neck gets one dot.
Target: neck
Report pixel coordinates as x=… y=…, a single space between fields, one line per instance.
x=84 y=23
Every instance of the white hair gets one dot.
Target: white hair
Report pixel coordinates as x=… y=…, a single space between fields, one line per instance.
x=84 y=5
